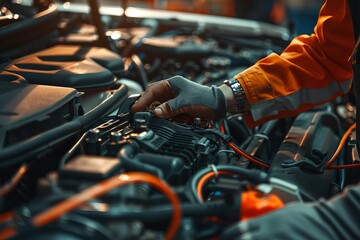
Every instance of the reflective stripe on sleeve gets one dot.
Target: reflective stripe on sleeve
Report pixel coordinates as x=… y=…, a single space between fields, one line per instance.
x=295 y=100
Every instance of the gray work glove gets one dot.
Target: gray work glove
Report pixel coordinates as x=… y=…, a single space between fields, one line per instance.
x=178 y=95
x=324 y=220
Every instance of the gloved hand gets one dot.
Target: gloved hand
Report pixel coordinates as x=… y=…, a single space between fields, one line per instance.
x=335 y=219
x=177 y=95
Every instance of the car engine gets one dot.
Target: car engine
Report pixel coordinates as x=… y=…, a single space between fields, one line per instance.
x=76 y=163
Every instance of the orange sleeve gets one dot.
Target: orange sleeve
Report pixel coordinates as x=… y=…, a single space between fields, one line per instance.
x=312 y=70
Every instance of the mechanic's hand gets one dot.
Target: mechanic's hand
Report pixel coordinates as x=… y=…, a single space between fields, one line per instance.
x=177 y=95
x=337 y=218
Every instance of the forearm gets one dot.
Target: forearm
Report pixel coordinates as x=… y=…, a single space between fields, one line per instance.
x=312 y=70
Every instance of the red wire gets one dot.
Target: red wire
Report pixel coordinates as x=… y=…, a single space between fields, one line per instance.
x=247 y=156
x=222 y=127
x=242 y=153
x=328 y=165
x=338 y=167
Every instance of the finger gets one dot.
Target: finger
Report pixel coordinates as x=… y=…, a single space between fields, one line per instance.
x=164 y=110
x=172 y=108
x=160 y=91
x=152 y=106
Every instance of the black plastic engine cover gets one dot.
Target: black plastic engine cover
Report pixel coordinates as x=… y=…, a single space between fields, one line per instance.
x=69 y=66
x=28 y=114
x=300 y=160
x=28 y=110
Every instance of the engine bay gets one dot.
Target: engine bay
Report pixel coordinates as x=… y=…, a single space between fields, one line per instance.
x=76 y=163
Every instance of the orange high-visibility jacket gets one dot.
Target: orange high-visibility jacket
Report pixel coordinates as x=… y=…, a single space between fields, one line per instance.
x=312 y=70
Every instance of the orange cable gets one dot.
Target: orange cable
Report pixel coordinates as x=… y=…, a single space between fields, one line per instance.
x=9 y=231
x=222 y=127
x=341 y=145
x=108 y=185
x=328 y=165
x=20 y=173
x=247 y=156
x=6 y=216
x=101 y=188
x=204 y=179
x=242 y=153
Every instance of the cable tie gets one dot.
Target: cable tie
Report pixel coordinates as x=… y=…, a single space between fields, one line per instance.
x=260 y=135
x=215 y=170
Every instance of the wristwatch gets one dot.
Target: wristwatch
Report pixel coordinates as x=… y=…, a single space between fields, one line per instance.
x=240 y=97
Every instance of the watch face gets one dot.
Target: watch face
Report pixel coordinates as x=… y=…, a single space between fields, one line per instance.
x=230 y=82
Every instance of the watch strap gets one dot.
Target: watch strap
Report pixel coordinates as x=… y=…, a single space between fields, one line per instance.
x=239 y=93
